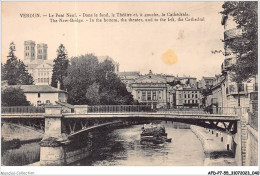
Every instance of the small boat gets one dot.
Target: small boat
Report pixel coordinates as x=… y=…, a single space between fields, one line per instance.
x=154 y=133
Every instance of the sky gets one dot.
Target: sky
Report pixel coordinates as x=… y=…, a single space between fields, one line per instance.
x=177 y=48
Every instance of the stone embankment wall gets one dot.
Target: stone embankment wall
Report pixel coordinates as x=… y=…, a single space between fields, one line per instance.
x=216 y=145
x=252 y=147
x=247 y=144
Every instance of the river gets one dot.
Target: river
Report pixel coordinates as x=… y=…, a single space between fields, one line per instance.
x=121 y=147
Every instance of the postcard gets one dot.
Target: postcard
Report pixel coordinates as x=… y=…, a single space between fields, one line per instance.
x=129 y=83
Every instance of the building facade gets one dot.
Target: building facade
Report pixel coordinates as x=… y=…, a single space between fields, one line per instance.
x=38 y=95
x=206 y=82
x=150 y=89
x=226 y=93
x=162 y=91
x=38 y=66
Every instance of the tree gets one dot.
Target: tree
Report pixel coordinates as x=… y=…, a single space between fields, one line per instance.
x=13 y=97
x=92 y=93
x=93 y=83
x=61 y=64
x=245 y=47
x=14 y=70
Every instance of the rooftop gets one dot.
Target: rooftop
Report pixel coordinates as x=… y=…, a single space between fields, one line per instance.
x=128 y=73
x=204 y=77
x=37 y=88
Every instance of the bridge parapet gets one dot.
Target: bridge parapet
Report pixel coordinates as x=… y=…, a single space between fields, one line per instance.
x=21 y=109
x=100 y=109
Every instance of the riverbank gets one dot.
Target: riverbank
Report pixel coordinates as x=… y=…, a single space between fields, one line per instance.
x=215 y=151
x=25 y=134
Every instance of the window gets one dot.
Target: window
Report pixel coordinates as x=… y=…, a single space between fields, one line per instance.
x=192 y=101
x=196 y=96
x=39 y=95
x=185 y=101
x=184 y=95
x=143 y=95
x=154 y=95
x=38 y=102
x=149 y=97
x=188 y=95
x=39 y=79
x=188 y=101
x=192 y=95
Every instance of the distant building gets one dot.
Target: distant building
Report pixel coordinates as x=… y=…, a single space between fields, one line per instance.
x=29 y=51
x=39 y=67
x=42 y=51
x=42 y=74
x=183 y=96
x=42 y=94
x=187 y=80
x=150 y=89
x=162 y=91
x=128 y=78
x=206 y=82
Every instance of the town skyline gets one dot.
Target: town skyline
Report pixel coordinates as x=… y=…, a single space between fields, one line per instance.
x=136 y=47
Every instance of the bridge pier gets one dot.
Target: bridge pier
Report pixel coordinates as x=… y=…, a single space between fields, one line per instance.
x=52 y=151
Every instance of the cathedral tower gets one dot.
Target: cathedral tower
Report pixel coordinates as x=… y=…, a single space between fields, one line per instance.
x=42 y=51
x=29 y=50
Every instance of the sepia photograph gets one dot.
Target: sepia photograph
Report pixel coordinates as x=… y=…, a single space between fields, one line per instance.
x=126 y=83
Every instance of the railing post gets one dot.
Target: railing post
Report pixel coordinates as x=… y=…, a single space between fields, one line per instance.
x=81 y=109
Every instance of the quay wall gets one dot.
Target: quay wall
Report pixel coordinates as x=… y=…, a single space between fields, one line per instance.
x=215 y=144
x=246 y=140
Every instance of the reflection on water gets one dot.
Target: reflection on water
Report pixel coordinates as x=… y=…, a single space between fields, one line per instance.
x=122 y=147
x=26 y=154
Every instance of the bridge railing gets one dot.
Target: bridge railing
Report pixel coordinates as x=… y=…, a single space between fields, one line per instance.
x=238 y=111
x=119 y=108
x=21 y=109
x=182 y=111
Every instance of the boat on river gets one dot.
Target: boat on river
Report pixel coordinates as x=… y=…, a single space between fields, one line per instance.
x=154 y=133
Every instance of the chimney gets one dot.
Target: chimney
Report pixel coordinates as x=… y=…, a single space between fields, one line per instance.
x=58 y=85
